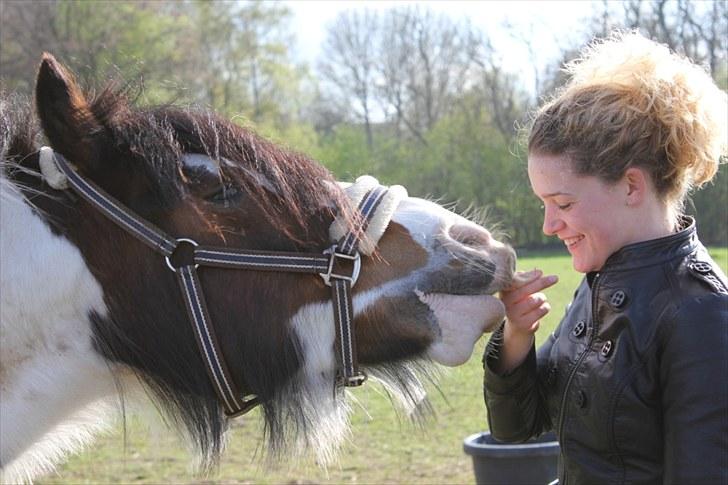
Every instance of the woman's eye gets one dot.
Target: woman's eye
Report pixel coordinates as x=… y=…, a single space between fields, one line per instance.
x=565 y=206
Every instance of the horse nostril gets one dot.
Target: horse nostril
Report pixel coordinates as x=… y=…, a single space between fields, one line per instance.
x=470 y=235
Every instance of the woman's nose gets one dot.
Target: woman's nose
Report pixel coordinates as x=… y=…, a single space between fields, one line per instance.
x=551 y=223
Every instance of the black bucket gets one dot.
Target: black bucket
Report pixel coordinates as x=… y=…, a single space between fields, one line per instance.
x=495 y=463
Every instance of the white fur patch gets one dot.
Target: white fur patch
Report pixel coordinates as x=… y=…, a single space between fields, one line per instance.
x=314 y=325
x=56 y=390
x=462 y=320
x=329 y=416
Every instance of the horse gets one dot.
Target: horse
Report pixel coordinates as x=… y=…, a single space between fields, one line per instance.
x=91 y=312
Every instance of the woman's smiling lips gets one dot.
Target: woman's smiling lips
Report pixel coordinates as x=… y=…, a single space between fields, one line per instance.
x=571 y=241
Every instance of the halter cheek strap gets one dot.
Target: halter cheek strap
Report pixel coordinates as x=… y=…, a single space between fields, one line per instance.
x=370 y=198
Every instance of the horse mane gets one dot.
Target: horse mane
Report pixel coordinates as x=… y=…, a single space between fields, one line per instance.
x=19 y=129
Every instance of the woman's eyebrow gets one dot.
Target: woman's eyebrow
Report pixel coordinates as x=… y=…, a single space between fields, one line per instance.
x=554 y=194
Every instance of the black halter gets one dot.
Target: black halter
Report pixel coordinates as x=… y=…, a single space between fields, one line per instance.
x=235 y=402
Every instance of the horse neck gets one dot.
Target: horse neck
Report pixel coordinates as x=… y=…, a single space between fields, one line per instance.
x=50 y=374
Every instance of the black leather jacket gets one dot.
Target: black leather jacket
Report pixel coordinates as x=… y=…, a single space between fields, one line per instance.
x=635 y=378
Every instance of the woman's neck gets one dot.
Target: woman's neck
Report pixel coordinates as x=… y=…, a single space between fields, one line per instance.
x=653 y=221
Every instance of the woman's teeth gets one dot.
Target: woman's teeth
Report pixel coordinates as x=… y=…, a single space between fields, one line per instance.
x=570 y=241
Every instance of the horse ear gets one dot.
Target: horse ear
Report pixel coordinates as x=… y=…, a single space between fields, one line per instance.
x=64 y=112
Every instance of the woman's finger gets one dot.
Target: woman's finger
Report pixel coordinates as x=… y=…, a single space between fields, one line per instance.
x=533 y=286
x=521 y=278
x=521 y=308
x=537 y=313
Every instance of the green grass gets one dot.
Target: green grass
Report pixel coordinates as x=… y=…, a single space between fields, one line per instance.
x=384 y=448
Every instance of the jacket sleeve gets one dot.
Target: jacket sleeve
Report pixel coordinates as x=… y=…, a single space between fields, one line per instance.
x=694 y=385
x=514 y=401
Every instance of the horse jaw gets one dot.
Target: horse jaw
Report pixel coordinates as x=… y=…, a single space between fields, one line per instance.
x=54 y=386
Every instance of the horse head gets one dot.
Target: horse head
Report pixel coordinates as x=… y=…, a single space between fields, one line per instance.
x=424 y=293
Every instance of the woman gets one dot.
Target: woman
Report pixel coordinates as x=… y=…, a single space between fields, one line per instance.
x=633 y=380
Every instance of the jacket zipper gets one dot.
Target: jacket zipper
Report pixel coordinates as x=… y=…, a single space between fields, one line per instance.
x=581 y=358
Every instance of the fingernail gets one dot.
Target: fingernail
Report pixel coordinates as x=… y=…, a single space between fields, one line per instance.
x=552 y=279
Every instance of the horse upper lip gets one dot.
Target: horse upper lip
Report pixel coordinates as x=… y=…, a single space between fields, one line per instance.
x=474 y=290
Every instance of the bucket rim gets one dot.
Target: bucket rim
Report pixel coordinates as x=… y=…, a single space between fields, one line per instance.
x=471 y=446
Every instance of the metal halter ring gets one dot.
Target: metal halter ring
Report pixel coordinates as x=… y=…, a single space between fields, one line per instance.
x=182 y=239
x=356 y=259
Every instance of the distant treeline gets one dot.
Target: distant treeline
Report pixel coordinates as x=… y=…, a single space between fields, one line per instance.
x=406 y=94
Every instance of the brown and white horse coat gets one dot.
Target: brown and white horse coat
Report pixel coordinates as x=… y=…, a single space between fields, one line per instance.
x=87 y=313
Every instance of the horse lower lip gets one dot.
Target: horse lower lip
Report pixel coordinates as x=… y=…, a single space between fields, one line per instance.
x=462 y=319
x=479 y=306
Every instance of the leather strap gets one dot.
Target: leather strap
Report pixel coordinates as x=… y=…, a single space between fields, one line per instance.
x=341 y=295
x=228 y=394
x=143 y=230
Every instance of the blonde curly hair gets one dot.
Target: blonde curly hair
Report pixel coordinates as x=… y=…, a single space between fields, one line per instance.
x=630 y=102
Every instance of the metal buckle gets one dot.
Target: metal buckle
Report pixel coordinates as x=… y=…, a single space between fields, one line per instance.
x=248 y=402
x=351 y=381
x=356 y=381
x=356 y=259
x=182 y=239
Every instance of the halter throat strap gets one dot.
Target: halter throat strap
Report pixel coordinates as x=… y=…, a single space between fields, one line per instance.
x=59 y=174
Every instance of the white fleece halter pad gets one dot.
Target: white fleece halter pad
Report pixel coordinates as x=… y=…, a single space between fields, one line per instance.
x=379 y=222
x=51 y=173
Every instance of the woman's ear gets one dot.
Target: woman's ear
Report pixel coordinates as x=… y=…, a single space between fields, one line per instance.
x=637 y=185
x=63 y=111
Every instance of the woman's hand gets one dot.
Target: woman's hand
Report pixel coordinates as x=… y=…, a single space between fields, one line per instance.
x=525 y=306
x=524 y=302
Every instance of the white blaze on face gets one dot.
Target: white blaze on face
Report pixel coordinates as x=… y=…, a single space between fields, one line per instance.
x=424 y=220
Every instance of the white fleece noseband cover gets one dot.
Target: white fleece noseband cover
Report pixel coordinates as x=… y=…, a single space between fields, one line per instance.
x=379 y=222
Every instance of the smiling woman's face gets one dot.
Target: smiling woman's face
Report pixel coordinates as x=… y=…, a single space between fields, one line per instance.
x=587 y=214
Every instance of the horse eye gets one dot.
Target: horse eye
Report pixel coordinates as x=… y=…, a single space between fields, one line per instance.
x=228 y=194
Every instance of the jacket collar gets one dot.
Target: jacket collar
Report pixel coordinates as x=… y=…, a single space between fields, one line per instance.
x=655 y=251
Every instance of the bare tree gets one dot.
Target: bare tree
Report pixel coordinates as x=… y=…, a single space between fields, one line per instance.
x=409 y=62
x=698 y=29
x=348 y=64
x=425 y=61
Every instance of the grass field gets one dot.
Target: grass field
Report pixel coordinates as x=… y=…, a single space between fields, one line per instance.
x=384 y=448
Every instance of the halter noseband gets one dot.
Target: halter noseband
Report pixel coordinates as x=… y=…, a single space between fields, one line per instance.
x=60 y=175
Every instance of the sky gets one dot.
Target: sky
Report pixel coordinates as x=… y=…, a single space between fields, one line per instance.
x=551 y=24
